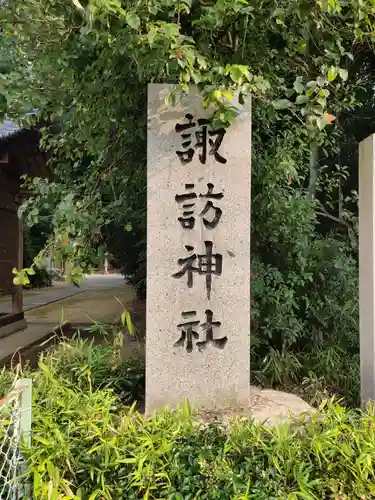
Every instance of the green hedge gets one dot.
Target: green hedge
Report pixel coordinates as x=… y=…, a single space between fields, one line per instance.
x=87 y=444
x=87 y=447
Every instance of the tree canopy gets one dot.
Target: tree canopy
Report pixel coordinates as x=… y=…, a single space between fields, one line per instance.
x=85 y=65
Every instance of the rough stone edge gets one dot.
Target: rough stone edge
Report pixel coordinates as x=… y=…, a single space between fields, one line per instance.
x=262 y=409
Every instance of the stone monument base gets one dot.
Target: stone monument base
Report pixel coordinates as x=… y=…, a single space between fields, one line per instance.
x=265 y=406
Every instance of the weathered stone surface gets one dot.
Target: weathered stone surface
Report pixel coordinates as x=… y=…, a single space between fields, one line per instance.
x=266 y=406
x=367 y=267
x=210 y=377
x=274 y=407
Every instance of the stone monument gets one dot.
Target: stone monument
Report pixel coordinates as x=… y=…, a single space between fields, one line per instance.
x=198 y=257
x=367 y=267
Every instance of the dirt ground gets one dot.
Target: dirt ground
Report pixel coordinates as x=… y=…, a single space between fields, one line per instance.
x=105 y=306
x=87 y=313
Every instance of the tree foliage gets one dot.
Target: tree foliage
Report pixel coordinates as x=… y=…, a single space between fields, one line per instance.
x=84 y=65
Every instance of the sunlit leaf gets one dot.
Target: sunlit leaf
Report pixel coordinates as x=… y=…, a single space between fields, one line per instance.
x=332 y=73
x=78 y=4
x=343 y=73
x=133 y=20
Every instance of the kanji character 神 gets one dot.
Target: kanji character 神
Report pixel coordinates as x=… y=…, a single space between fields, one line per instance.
x=207 y=264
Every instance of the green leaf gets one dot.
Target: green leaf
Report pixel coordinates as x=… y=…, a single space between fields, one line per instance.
x=343 y=73
x=128 y=228
x=216 y=95
x=302 y=99
x=76 y=275
x=21 y=278
x=133 y=20
x=227 y=94
x=321 y=122
x=238 y=73
x=78 y=4
x=42 y=440
x=202 y=62
x=318 y=110
x=311 y=83
x=282 y=104
x=298 y=85
x=152 y=34
x=123 y=318
x=129 y=324
x=170 y=102
x=324 y=93
x=332 y=73
x=126 y=320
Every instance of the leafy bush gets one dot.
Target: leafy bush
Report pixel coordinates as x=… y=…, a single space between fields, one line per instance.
x=6 y=381
x=81 y=364
x=88 y=445
x=35 y=239
x=304 y=282
x=40 y=279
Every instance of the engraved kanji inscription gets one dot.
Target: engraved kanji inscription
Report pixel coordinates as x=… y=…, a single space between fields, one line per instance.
x=207 y=264
x=188 y=332
x=208 y=328
x=186 y=155
x=211 y=214
x=207 y=141
x=214 y=213
x=186 y=200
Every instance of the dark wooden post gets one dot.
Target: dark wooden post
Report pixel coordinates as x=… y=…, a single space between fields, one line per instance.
x=17 y=293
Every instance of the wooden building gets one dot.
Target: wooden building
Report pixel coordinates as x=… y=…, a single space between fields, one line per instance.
x=19 y=155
